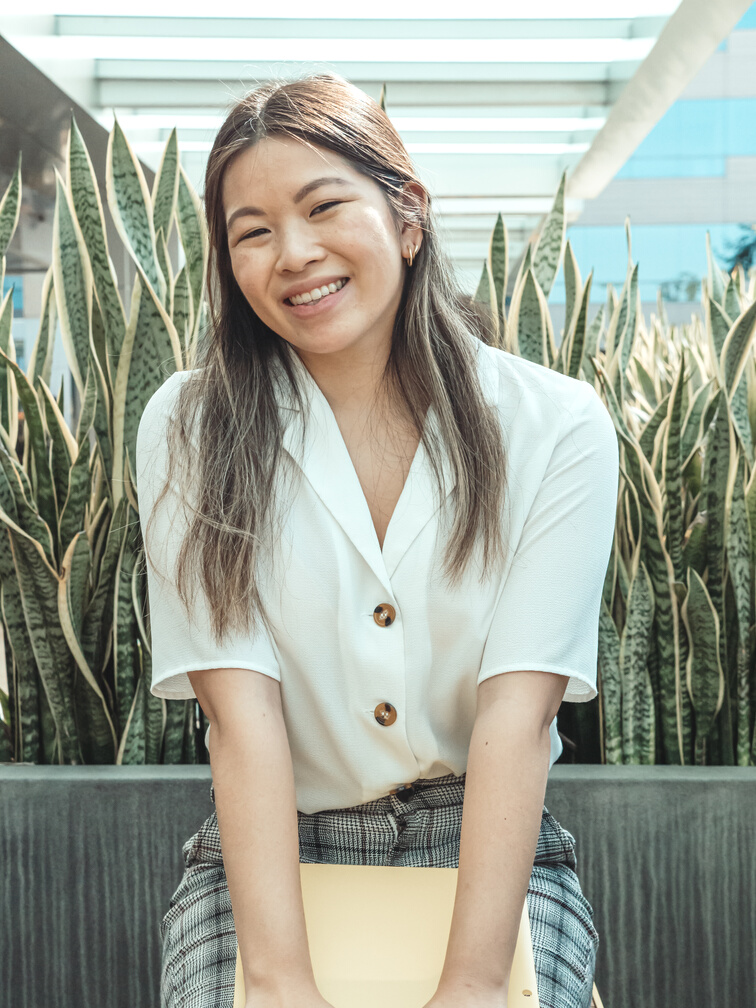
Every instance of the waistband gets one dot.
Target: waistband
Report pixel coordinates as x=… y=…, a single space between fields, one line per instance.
x=405 y=792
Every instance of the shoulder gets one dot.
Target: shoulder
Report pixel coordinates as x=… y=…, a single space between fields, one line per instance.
x=163 y=399
x=520 y=388
x=156 y=415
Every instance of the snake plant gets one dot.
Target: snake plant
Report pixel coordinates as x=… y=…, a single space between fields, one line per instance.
x=677 y=641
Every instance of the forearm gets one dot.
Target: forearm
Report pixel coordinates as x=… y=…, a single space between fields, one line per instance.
x=505 y=786
x=257 y=820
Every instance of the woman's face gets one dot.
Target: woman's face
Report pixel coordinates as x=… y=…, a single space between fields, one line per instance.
x=301 y=223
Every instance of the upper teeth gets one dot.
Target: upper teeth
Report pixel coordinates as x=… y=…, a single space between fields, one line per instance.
x=317 y=293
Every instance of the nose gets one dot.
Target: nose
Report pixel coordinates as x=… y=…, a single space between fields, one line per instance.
x=297 y=248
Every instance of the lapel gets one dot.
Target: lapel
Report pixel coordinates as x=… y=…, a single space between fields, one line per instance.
x=325 y=461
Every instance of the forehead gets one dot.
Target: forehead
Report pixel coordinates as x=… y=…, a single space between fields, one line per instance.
x=276 y=167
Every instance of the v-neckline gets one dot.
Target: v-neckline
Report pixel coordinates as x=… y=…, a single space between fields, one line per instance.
x=319 y=449
x=418 y=450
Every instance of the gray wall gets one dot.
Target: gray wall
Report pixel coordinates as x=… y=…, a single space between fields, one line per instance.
x=91 y=855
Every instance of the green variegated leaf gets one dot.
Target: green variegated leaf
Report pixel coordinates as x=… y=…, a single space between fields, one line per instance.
x=592 y=339
x=548 y=254
x=97 y=628
x=673 y=483
x=628 y=330
x=704 y=674
x=154 y=707
x=497 y=254
x=731 y=299
x=10 y=208
x=611 y=685
x=40 y=362
x=193 y=238
x=717 y=278
x=573 y=284
x=646 y=384
x=132 y=749
x=38 y=586
x=8 y=395
x=577 y=335
x=738 y=562
x=62 y=445
x=165 y=187
x=485 y=287
x=638 y=725
x=125 y=633
x=85 y=196
x=72 y=275
x=131 y=207
x=736 y=352
x=151 y=353
x=532 y=340
x=692 y=433
x=165 y=265
x=27 y=684
x=41 y=477
x=26 y=515
x=181 y=308
x=72 y=516
x=96 y=730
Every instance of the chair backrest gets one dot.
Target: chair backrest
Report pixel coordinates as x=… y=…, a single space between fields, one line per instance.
x=378 y=936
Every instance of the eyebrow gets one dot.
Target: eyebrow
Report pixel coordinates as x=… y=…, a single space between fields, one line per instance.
x=250 y=211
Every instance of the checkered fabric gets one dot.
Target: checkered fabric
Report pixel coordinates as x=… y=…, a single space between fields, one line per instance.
x=420 y=828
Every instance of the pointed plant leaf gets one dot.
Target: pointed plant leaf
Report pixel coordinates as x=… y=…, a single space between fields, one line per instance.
x=10 y=208
x=548 y=252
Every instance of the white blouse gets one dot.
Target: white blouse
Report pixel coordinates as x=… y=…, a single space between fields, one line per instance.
x=370 y=703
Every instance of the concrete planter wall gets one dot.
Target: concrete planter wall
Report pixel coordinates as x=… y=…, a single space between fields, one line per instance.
x=89 y=858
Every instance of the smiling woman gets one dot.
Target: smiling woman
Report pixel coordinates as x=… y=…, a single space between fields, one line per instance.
x=378 y=629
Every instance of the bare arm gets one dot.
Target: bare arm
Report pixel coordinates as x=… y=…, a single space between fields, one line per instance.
x=257 y=819
x=505 y=786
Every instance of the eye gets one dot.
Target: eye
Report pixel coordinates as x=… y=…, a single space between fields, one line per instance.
x=253 y=234
x=324 y=206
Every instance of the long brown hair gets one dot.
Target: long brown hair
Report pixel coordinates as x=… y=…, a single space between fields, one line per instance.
x=229 y=399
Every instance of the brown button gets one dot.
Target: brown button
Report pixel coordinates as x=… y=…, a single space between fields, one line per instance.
x=384 y=614
x=385 y=714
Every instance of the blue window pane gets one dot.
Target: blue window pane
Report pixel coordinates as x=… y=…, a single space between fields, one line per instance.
x=748 y=20
x=672 y=167
x=666 y=254
x=17 y=283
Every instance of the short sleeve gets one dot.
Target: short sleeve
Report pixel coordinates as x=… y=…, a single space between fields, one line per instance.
x=181 y=642
x=547 y=616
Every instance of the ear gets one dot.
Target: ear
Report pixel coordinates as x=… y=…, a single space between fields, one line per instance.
x=415 y=200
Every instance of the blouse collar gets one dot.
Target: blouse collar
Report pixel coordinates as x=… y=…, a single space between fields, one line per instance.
x=325 y=462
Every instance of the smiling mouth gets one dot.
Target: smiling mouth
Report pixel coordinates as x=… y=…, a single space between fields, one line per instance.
x=317 y=293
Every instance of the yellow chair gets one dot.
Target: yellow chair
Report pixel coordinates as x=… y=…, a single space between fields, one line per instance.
x=378 y=936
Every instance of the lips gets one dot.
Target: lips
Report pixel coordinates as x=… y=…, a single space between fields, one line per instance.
x=317 y=292
x=320 y=306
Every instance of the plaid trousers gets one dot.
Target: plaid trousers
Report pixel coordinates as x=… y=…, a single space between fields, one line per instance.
x=198 y=935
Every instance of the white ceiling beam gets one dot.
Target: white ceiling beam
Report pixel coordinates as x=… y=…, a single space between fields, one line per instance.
x=252 y=71
x=526 y=175
x=220 y=92
x=547 y=141
x=211 y=117
x=687 y=41
x=358 y=28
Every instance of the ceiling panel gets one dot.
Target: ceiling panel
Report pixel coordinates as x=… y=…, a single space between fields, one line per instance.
x=492 y=110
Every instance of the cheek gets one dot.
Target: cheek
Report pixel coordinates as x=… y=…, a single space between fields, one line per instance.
x=247 y=277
